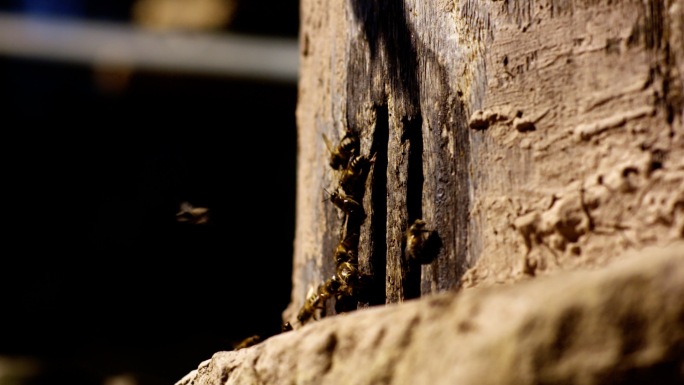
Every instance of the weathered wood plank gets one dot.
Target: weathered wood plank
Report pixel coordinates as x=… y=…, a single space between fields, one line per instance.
x=530 y=136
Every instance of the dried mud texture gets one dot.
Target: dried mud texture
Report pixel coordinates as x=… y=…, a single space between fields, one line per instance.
x=621 y=324
x=578 y=137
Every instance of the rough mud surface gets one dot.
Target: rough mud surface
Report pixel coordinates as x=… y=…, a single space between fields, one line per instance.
x=579 y=138
x=620 y=324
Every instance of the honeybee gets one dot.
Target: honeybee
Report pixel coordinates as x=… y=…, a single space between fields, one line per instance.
x=346 y=203
x=351 y=287
x=305 y=313
x=346 y=249
x=316 y=300
x=247 y=342
x=307 y=310
x=193 y=215
x=329 y=289
x=340 y=154
x=313 y=302
x=355 y=173
x=348 y=274
x=421 y=244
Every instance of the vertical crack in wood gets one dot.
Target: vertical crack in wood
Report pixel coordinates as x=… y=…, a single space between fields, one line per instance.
x=387 y=31
x=378 y=228
x=414 y=199
x=391 y=74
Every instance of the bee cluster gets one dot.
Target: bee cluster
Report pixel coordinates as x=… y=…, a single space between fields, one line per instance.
x=346 y=284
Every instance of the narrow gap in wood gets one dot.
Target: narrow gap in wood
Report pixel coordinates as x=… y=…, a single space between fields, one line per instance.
x=378 y=258
x=352 y=229
x=414 y=197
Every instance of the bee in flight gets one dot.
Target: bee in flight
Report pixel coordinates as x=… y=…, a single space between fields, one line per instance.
x=342 y=153
x=192 y=215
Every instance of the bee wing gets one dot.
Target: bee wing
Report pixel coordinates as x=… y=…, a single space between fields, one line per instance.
x=372 y=158
x=328 y=143
x=184 y=208
x=190 y=213
x=199 y=211
x=328 y=195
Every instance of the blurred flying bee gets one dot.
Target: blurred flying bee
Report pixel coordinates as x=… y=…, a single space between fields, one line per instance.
x=247 y=342
x=192 y=215
x=342 y=153
x=354 y=175
x=422 y=244
x=346 y=203
x=346 y=249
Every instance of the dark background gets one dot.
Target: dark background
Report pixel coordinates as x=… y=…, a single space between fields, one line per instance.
x=97 y=278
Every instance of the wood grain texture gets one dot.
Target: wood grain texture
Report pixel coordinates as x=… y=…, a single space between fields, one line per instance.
x=530 y=136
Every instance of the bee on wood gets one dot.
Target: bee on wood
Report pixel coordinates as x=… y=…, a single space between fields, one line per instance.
x=315 y=301
x=305 y=313
x=347 y=204
x=311 y=304
x=346 y=249
x=422 y=244
x=329 y=288
x=352 y=281
x=192 y=215
x=348 y=274
x=354 y=175
x=351 y=288
x=415 y=236
x=342 y=153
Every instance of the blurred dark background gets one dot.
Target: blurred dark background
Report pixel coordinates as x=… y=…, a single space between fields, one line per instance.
x=100 y=283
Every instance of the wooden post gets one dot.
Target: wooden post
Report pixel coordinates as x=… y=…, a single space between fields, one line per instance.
x=530 y=137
